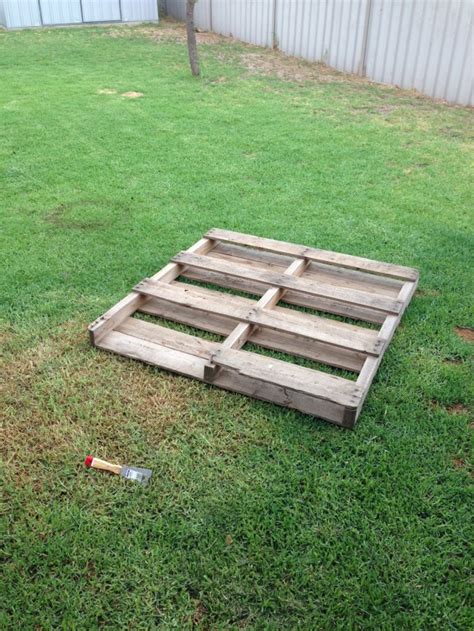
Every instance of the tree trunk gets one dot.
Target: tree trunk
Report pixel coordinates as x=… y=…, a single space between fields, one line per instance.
x=191 y=33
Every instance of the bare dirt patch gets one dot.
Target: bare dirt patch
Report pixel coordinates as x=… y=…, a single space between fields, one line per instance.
x=132 y=95
x=199 y=613
x=66 y=216
x=457 y=408
x=465 y=332
x=431 y=293
x=167 y=31
x=460 y=463
x=386 y=109
x=451 y=408
x=273 y=63
x=453 y=360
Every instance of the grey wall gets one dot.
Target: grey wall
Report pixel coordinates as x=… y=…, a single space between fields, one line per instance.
x=422 y=44
x=24 y=13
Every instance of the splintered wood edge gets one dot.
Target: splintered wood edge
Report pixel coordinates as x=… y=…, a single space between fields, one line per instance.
x=118 y=332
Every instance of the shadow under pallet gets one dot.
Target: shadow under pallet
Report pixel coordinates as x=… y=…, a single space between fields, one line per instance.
x=245 y=282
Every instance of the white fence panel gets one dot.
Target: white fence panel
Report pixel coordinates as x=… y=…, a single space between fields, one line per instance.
x=202 y=14
x=322 y=31
x=20 y=13
x=423 y=44
x=139 y=10
x=103 y=11
x=248 y=20
x=60 y=12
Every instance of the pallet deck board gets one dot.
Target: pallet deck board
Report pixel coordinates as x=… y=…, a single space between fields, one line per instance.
x=313 y=254
x=273 y=275
x=302 y=285
x=365 y=314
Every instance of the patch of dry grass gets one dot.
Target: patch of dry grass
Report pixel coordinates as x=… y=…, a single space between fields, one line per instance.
x=63 y=399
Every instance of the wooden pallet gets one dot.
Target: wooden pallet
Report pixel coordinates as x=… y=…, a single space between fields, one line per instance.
x=278 y=272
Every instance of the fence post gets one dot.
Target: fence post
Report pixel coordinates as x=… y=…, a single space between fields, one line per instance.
x=40 y=13
x=210 y=15
x=274 y=37
x=365 y=39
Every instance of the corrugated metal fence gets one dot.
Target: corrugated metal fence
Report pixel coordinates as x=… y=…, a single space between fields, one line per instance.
x=23 y=13
x=422 y=44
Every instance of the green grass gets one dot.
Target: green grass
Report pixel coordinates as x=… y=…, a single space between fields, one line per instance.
x=257 y=517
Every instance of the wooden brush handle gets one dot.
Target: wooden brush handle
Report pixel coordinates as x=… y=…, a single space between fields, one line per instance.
x=97 y=463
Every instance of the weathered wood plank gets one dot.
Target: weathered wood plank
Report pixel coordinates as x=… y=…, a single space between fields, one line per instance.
x=170 y=338
x=153 y=353
x=314 y=254
x=287 y=375
x=311 y=287
x=304 y=325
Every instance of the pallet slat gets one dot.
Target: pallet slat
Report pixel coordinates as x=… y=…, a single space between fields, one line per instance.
x=313 y=254
x=286 y=375
x=353 y=279
x=313 y=288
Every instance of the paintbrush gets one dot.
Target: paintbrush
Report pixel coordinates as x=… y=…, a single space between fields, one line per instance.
x=131 y=473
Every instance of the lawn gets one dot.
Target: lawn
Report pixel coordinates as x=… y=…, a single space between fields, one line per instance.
x=257 y=517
